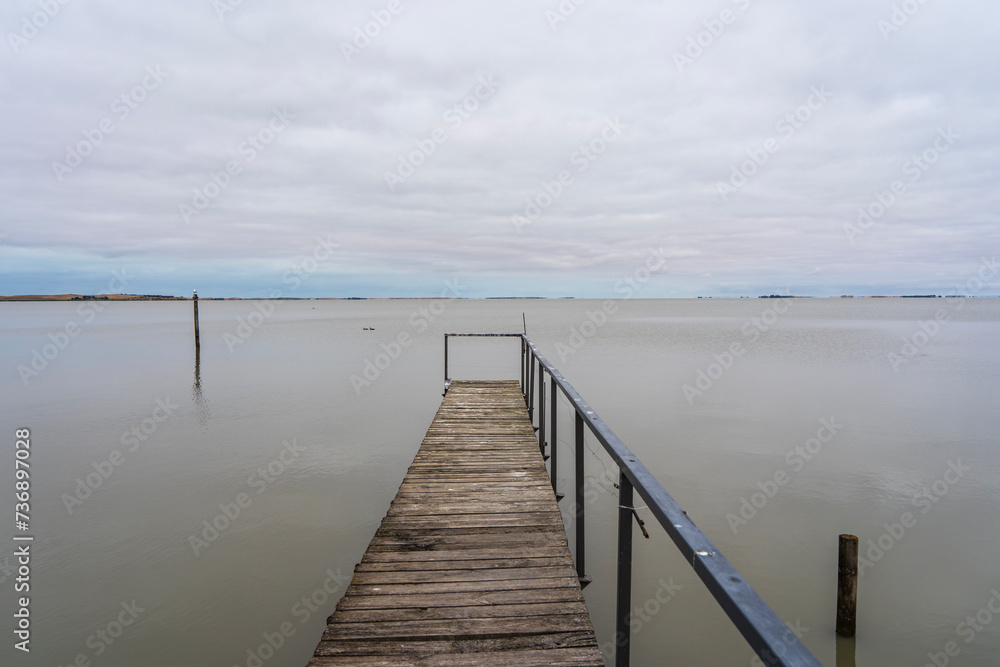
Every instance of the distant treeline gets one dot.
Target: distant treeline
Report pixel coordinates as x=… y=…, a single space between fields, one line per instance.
x=124 y=297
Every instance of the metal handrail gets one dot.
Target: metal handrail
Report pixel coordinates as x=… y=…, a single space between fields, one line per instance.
x=447 y=380
x=763 y=630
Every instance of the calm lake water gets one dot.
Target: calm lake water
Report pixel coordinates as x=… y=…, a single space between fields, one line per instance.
x=862 y=443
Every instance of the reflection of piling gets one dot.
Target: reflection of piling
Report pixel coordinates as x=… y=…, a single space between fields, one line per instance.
x=847 y=652
x=847 y=586
x=197 y=334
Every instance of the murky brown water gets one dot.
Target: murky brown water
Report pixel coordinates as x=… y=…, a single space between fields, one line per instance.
x=272 y=426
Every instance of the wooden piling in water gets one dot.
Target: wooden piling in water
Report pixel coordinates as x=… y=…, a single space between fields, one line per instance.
x=847 y=586
x=197 y=333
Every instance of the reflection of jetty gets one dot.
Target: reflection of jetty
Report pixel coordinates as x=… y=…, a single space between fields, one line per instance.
x=471 y=564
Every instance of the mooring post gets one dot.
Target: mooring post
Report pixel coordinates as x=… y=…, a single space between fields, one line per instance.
x=197 y=333
x=847 y=586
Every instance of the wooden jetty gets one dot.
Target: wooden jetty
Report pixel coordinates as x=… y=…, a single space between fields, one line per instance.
x=471 y=565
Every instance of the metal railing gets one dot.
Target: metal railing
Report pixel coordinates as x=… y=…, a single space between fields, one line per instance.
x=763 y=630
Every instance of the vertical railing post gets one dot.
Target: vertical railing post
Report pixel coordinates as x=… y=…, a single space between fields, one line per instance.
x=624 y=604
x=553 y=435
x=524 y=380
x=581 y=552
x=446 y=361
x=541 y=411
x=531 y=385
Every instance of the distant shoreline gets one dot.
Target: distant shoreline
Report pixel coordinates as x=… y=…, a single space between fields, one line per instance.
x=158 y=297
x=91 y=297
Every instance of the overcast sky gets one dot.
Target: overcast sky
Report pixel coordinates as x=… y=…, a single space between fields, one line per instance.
x=381 y=148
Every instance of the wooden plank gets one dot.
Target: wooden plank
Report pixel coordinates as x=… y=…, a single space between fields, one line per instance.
x=460 y=537
x=435 y=587
x=470 y=565
x=456 y=574
x=488 y=628
x=557 y=657
x=467 y=653
x=480 y=563
x=441 y=613
x=467 y=554
x=486 y=647
x=467 y=599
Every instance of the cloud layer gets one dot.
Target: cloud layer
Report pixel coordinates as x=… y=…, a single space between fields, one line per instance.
x=531 y=148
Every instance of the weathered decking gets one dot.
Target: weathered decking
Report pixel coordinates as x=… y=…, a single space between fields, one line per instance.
x=471 y=565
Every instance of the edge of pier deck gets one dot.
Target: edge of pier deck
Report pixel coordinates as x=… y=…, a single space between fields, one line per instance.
x=471 y=565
